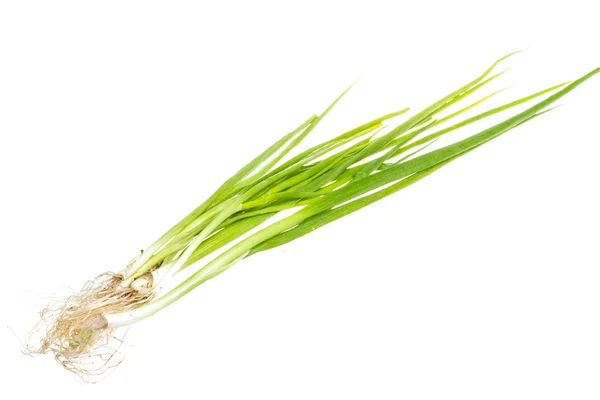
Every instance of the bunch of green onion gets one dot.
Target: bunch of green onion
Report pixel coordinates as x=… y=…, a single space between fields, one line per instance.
x=312 y=188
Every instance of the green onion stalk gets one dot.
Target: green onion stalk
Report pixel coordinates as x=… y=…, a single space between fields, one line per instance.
x=270 y=202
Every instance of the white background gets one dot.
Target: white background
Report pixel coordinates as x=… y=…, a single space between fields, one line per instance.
x=480 y=282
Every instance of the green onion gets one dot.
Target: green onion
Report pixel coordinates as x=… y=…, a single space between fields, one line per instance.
x=313 y=188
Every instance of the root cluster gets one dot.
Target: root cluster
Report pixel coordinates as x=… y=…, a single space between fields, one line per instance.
x=75 y=330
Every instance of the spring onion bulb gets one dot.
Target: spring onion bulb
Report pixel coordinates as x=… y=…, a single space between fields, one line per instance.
x=270 y=202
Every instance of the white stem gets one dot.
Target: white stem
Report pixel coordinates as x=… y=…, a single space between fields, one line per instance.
x=159 y=277
x=138 y=314
x=234 y=206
